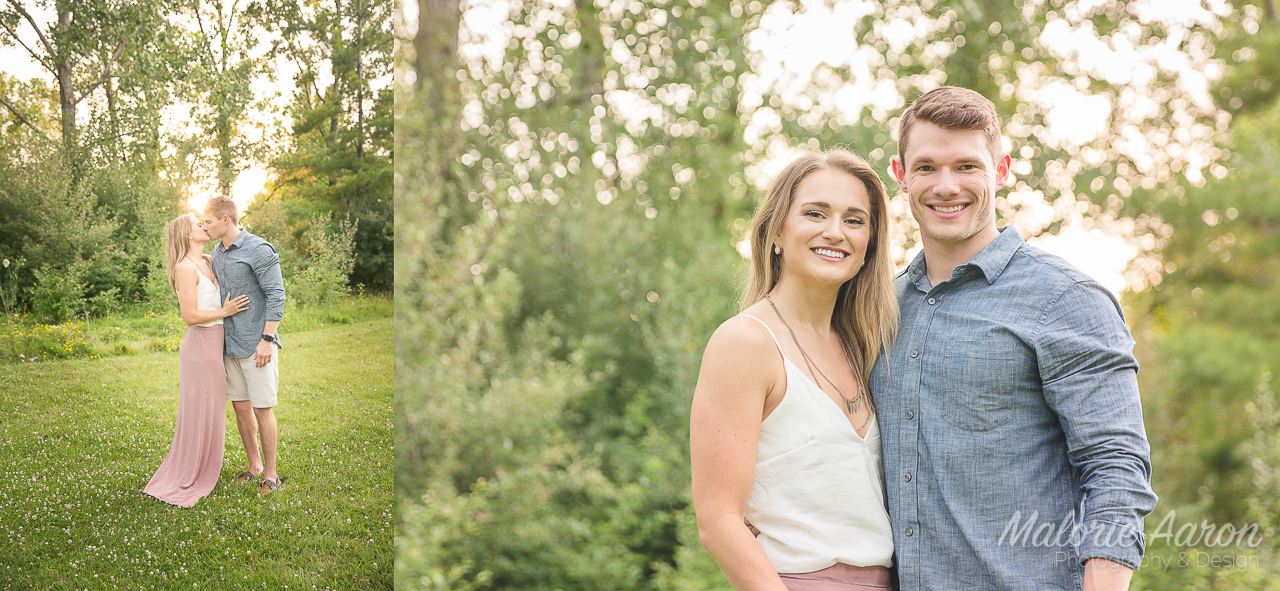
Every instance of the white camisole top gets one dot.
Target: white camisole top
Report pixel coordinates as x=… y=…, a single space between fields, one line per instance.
x=817 y=496
x=207 y=297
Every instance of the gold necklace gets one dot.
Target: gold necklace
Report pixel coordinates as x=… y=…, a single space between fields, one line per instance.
x=852 y=405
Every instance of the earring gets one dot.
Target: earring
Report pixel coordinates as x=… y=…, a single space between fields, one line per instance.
x=777 y=249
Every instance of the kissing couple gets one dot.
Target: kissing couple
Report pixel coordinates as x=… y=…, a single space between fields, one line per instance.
x=229 y=352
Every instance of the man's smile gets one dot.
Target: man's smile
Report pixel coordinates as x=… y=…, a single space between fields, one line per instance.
x=949 y=208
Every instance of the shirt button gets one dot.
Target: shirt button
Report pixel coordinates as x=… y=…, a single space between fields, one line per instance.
x=932 y=301
x=908 y=477
x=915 y=353
x=908 y=532
x=911 y=415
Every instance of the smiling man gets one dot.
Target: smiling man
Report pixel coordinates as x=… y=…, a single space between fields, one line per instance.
x=1009 y=401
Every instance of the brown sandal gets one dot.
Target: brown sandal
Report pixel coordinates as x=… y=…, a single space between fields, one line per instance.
x=274 y=485
x=246 y=476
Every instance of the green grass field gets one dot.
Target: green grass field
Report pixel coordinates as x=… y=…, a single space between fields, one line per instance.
x=79 y=438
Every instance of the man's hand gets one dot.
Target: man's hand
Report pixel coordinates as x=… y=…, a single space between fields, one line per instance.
x=262 y=355
x=1101 y=574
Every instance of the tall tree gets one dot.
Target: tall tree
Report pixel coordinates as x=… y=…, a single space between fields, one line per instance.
x=340 y=158
x=82 y=48
x=224 y=40
x=87 y=200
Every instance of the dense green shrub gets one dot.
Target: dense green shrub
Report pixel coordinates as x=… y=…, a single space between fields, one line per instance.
x=323 y=274
x=58 y=294
x=94 y=236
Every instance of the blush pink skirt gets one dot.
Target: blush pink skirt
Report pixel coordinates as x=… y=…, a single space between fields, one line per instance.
x=191 y=469
x=840 y=577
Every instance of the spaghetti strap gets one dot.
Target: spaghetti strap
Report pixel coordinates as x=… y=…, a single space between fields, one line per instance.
x=771 y=335
x=201 y=274
x=213 y=280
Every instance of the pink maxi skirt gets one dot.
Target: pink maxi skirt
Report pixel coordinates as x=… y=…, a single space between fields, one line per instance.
x=191 y=469
x=840 y=577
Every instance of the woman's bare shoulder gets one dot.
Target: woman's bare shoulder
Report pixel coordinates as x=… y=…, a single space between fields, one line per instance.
x=185 y=272
x=740 y=371
x=741 y=341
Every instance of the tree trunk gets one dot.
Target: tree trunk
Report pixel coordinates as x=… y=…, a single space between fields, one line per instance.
x=66 y=87
x=436 y=43
x=437 y=64
x=225 y=125
x=226 y=158
x=360 y=84
x=110 y=88
x=335 y=92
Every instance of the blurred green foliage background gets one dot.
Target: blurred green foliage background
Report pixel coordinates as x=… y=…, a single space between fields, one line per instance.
x=573 y=178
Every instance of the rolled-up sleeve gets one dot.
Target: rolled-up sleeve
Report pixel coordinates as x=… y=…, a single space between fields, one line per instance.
x=266 y=267
x=1085 y=356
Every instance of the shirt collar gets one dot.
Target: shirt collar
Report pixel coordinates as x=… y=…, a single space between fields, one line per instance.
x=991 y=261
x=916 y=272
x=994 y=259
x=239 y=241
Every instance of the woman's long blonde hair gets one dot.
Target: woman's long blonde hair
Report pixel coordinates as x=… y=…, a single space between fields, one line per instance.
x=177 y=245
x=866 y=313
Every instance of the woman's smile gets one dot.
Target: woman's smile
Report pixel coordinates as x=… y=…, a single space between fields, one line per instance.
x=830 y=217
x=830 y=253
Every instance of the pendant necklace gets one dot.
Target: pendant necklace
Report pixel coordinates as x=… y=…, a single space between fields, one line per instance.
x=853 y=405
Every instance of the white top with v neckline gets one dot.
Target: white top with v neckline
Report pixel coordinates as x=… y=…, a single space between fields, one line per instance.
x=206 y=297
x=817 y=493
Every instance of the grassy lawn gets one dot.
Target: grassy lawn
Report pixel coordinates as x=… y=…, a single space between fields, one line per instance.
x=80 y=437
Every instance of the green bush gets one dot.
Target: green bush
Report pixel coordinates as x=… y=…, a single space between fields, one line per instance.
x=58 y=293
x=105 y=303
x=157 y=294
x=330 y=259
x=110 y=221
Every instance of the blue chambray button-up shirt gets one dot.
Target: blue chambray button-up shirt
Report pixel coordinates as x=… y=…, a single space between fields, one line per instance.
x=251 y=267
x=1010 y=401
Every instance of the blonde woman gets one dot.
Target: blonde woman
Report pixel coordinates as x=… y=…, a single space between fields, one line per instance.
x=191 y=469
x=783 y=429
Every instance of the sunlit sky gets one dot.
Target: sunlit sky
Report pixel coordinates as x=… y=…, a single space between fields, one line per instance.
x=176 y=118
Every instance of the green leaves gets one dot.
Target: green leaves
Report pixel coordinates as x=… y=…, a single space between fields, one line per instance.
x=330 y=258
x=339 y=158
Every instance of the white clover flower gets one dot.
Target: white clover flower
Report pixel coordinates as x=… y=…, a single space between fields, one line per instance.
x=6 y=263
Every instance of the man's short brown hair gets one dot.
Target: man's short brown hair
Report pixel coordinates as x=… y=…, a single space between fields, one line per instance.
x=953 y=108
x=220 y=206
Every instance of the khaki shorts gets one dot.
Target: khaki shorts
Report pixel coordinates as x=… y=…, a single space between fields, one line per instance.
x=258 y=385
